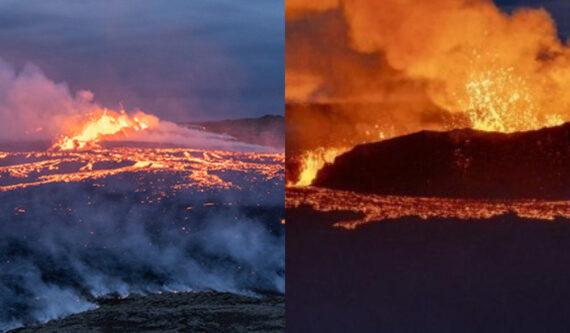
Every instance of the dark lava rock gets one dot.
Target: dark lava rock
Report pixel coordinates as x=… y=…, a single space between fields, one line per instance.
x=460 y=163
x=175 y=312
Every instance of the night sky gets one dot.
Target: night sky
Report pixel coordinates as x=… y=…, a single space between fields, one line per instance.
x=181 y=60
x=559 y=9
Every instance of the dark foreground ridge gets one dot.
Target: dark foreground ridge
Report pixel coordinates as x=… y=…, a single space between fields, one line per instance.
x=175 y=312
x=461 y=163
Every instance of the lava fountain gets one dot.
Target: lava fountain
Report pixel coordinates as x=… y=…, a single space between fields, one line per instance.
x=104 y=124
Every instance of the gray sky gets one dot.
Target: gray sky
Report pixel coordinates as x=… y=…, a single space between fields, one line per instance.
x=182 y=60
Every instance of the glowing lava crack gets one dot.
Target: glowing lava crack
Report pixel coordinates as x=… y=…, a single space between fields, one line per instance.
x=200 y=168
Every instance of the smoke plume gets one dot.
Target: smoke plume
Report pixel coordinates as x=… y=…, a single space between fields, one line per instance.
x=33 y=108
x=362 y=70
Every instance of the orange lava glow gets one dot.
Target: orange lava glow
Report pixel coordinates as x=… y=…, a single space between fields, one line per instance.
x=101 y=125
x=375 y=208
x=313 y=160
x=199 y=169
x=500 y=100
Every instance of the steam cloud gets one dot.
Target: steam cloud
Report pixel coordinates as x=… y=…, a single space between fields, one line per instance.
x=361 y=70
x=32 y=107
x=63 y=245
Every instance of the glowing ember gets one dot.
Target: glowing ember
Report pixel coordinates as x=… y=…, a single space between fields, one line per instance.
x=502 y=101
x=103 y=124
x=373 y=208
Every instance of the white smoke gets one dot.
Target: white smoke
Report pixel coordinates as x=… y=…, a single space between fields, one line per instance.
x=33 y=107
x=74 y=244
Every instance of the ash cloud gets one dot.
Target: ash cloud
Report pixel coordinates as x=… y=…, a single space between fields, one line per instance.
x=61 y=246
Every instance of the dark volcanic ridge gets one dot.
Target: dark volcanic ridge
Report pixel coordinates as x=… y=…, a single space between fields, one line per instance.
x=461 y=163
x=175 y=312
x=268 y=130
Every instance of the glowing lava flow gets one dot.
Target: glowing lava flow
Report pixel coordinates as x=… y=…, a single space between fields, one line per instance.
x=183 y=168
x=372 y=208
x=103 y=124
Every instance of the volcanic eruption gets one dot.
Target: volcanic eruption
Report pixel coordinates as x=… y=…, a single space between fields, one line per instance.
x=363 y=71
x=398 y=108
x=104 y=124
x=102 y=203
x=428 y=166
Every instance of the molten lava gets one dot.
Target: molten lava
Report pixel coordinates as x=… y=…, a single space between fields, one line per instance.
x=313 y=160
x=376 y=208
x=101 y=125
x=188 y=168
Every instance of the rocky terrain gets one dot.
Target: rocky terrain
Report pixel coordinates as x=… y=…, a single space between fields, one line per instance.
x=175 y=312
x=461 y=163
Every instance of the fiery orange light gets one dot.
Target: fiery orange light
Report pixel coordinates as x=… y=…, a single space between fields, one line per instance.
x=198 y=168
x=103 y=124
x=373 y=208
x=313 y=160
x=500 y=100
x=404 y=66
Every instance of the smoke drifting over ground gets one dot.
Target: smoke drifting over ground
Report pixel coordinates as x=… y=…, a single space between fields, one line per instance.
x=386 y=68
x=63 y=244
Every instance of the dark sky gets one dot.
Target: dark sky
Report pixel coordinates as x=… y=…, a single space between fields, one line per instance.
x=180 y=59
x=559 y=9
